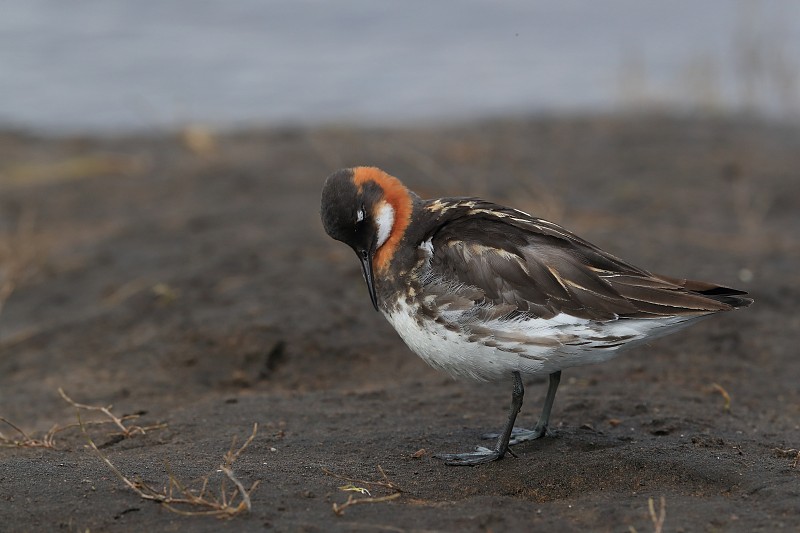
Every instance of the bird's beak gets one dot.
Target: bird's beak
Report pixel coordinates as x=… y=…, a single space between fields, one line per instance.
x=366 y=263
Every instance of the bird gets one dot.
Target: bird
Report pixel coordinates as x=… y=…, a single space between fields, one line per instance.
x=489 y=293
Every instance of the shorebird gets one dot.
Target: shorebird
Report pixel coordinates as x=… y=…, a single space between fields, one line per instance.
x=490 y=293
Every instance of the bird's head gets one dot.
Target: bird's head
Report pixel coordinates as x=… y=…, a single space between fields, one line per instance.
x=368 y=210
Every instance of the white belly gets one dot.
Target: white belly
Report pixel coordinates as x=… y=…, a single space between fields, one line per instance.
x=532 y=346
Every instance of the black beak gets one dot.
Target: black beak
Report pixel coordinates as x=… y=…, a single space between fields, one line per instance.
x=366 y=263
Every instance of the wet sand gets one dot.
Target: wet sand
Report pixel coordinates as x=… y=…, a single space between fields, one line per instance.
x=187 y=278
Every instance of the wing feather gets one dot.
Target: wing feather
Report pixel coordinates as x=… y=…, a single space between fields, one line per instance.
x=511 y=260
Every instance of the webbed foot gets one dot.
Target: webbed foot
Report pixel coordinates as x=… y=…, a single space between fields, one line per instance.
x=519 y=435
x=480 y=456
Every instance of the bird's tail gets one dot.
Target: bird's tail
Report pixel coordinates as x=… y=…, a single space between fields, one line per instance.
x=732 y=297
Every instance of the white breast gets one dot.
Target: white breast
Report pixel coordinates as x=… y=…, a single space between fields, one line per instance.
x=532 y=346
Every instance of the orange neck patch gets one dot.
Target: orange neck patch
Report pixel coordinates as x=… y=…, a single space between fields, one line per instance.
x=396 y=194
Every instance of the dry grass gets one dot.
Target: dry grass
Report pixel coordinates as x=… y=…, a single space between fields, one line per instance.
x=177 y=496
x=228 y=500
x=658 y=521
x=757 y=74
x=23 y=439
x=790 y=452
x=124 y=431
x=657 y=518
x=32 y=173
x=716 y=387
x=353 y=486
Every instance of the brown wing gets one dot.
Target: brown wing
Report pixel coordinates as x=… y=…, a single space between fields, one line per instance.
x=529 y=265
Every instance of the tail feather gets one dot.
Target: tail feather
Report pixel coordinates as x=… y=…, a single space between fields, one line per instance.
x=732 y=297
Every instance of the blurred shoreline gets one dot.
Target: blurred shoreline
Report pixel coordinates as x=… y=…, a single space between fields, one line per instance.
x=191 y=128
x=124 y=66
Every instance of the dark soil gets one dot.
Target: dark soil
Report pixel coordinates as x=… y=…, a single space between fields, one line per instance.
x=193 y=283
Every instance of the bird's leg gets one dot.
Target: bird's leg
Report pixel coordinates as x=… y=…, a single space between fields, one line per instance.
x=544 y=419
x=484 y=455
x=522 y=435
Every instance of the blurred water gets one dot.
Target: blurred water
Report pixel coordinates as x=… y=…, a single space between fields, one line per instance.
x=115 y=65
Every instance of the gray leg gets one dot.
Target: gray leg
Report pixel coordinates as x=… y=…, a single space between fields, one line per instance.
x=544 y=419
x=523 y=435
x=484 y=455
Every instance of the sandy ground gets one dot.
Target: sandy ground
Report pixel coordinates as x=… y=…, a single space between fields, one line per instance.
x=187 y=278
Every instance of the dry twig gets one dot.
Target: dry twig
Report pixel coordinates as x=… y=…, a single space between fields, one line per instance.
x=789 y=452
x=727 y=397
x=176 y=494
x=25 y=440
x=658 y=519
x=385 y=484
x=125 y=431
x=339 y=509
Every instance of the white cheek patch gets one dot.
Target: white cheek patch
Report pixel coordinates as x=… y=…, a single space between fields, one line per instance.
x=384 y=219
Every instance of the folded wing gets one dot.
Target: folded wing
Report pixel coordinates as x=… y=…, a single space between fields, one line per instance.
x=516 y=263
